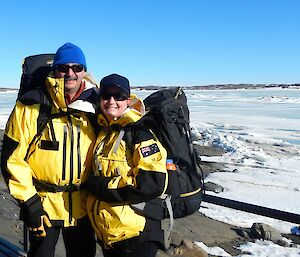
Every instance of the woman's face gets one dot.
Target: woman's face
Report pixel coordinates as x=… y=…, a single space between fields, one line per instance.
x=113 y=102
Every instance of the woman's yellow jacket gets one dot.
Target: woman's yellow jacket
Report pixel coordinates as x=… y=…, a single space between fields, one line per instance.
x=123 y=178
x=60 y=157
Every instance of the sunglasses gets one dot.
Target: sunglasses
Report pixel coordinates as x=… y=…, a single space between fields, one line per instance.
x=65 y=68
x=117 y=96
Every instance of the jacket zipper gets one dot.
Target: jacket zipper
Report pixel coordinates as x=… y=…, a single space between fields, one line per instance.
x=71 y=167
x=78 y=152
x=64 y=154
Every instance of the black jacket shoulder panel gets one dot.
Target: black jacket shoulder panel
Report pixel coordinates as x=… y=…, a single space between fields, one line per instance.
x=8 y=146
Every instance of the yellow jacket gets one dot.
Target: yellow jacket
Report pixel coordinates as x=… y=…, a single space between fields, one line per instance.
x=125 y=178
x=61 y=161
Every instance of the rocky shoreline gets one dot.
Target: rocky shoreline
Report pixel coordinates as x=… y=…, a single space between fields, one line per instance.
x=196 y=227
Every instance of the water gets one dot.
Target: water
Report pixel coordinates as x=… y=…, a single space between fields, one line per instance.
x=7 y=102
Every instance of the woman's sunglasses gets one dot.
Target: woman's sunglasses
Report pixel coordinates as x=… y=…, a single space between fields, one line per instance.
x=65 y=68
x=116 y=96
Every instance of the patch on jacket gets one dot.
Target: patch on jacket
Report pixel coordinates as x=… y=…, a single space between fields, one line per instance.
x=149 y=150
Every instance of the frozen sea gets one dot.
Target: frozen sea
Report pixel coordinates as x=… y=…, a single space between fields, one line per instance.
x=260 y=130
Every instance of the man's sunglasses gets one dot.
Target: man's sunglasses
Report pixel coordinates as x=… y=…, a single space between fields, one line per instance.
x=65 y=68
x=117 y=96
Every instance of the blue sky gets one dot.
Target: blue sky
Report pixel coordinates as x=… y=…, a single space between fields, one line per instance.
x=159 y=42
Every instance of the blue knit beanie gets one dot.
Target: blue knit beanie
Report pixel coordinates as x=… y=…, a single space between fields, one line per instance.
x=69 y=53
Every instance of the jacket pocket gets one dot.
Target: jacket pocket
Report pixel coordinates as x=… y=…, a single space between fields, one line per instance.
x=49 y=145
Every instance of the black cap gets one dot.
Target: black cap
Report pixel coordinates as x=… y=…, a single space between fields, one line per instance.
x=115 y=80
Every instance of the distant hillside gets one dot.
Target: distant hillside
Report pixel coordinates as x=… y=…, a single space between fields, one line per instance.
x=4 y=89
x=227 y=86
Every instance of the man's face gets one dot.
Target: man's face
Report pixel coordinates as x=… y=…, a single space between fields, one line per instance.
x=113 y=102
x=73 y=74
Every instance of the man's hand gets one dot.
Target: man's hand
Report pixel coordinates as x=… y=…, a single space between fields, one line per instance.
x=40 y=231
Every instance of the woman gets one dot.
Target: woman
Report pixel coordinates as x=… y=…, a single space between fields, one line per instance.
x=123 y=176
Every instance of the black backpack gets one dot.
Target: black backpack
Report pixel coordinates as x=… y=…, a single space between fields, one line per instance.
x=167 y=115
x=35 y=70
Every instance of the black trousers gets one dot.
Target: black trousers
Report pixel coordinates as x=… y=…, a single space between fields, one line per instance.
x=79 y=241
x=133 y=247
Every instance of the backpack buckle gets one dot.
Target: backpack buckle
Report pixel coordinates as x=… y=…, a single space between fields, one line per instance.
x=172 y=119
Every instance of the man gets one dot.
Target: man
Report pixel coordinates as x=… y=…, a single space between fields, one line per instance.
x=44 y=172
x=123 y=177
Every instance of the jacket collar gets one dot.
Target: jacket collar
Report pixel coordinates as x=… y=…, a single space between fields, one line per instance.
x=129 y=116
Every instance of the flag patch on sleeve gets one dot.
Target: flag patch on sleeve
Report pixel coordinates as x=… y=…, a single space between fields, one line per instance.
x=149 y=150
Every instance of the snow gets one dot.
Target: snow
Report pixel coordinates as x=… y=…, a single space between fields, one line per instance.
x=261 y=137
x=266 y=249
x=258 y=248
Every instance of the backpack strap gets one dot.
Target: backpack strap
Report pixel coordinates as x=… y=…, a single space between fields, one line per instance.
x=118 y=141
x=98 y=165
x=128 y=138
x=170 y=211
x=44 y=114
x=45 y=110
x=43 y=186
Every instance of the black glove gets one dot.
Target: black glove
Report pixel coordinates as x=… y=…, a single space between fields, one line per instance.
x=35 y=217
x=40 y=230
